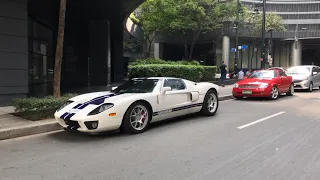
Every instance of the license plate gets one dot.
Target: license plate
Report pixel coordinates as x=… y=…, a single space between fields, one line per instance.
x=246 y=92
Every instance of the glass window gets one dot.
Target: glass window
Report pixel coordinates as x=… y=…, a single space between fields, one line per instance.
x=137 y=86
x=263 y=74
x=175 y=84
x=283 y=73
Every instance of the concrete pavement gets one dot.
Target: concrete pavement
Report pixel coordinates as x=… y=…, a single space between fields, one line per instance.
x=278 y=140
x=12 y=126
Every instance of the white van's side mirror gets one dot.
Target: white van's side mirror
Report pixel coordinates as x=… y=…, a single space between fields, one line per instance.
x=113 y=88
x=314 y=73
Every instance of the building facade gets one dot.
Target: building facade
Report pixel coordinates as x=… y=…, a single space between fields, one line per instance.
x=93 y=45
x=299 y=44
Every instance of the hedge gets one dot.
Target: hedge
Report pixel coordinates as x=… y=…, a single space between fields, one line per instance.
x=39 y=108
x=191 y=72
x=160 y=61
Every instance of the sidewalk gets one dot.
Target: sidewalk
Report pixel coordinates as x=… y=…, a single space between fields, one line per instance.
x=12 y=126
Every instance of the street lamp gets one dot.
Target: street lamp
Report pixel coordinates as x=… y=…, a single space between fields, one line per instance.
x=236 y=57
x=263 y=35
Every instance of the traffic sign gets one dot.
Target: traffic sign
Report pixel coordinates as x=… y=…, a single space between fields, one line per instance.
x=233 y=49
x=244 y=47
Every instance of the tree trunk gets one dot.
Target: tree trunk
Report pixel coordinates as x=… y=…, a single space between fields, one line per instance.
x=185 y=50
x=59 y=50
x=149 y=49
x=194 y=39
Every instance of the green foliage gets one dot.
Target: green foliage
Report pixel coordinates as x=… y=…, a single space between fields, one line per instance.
x=253 y=23
x=134 y=19
x=209 y=73
x=194 y=17
x=160 y=61
x=39 y=108
x=191 y=72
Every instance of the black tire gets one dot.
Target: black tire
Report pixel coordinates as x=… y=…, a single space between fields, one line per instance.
x=238 y=98
x=126 y=126
x=291 y=90
x=276 y=96
x=310 y=89
x=204 y=110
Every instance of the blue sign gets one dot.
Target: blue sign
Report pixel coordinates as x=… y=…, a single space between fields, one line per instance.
x=233 y=50
x=244 y=47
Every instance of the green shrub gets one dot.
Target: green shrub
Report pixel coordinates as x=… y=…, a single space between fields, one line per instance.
x=160 y=61
x=39 y=108
x=209 y=73
x=190 y=72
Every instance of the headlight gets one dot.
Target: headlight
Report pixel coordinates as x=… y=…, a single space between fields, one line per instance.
x=101 y=108
x=236 y=85
x=263 y=85
x=64 y=105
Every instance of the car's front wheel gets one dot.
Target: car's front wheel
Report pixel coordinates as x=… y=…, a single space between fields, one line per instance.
x=310 y=89
x=274 y=93
x=136 y=119
x=210 y=104
x=291 y=90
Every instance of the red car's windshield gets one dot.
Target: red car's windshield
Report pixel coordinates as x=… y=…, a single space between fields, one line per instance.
x=263 y=74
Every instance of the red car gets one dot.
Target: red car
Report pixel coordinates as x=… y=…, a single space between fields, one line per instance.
x=264 y=83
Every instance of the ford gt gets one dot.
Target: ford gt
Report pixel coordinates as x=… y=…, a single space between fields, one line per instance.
x=132 y=106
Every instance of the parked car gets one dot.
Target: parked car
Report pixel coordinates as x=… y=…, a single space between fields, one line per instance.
x=136 y=103
x=264 y=83
x=305 y=77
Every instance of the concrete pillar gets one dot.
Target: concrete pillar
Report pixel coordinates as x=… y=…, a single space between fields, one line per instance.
x=156 y=50
x=226 y=49
x=296 y=53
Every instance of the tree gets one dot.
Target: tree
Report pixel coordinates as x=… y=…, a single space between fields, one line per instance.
x=186 y=17
x=253 y=25
x=152 y=20
x=59 y=50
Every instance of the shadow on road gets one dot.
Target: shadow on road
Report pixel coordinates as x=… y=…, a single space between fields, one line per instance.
x=76 y=137
x=254 y=99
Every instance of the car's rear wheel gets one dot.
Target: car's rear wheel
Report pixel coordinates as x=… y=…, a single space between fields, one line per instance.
x=136 y=119
x=274 y=93
x=291 y=90
x=210 y=103
x=310 y=89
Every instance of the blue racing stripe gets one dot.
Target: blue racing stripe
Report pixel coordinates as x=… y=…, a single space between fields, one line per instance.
x=178 y=108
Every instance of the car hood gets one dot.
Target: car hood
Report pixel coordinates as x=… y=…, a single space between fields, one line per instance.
x=255 y=81
x=299 y=76
x=98 y=98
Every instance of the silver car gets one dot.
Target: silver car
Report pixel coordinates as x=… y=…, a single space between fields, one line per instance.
x=305 y=77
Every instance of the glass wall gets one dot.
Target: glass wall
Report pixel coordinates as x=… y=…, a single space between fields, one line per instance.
x=40 y=57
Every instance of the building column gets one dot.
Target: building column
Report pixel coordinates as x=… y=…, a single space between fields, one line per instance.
x=156 y=50
x=296 y=53
x=226 y=50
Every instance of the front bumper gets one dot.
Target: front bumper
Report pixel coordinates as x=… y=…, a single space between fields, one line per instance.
x=302 y=85
x=258 y=92
x=108 y=124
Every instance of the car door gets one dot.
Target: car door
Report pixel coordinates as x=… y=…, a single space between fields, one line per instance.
x=173 y=103
x=285 y=82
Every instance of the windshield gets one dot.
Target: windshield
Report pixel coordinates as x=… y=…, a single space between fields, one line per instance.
x=263 y=74
x=299 y=70
x=136 y=86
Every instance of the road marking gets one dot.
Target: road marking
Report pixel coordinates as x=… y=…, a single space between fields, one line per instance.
x=260 y=120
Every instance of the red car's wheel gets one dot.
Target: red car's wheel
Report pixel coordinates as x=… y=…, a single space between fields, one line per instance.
x=274 y=93
x=291 y=90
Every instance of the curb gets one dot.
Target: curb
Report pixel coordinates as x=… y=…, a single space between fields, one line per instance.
x=29 y=130
x=226 y=97
x=51 y=125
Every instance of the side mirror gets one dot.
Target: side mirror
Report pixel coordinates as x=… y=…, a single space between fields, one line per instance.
x=113 y=88
x=165 y=89
x=314 y=73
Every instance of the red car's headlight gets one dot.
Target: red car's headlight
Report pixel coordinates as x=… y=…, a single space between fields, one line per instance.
x=263 y=85
x=236 y=85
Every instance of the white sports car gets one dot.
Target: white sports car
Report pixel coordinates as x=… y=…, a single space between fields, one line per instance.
x=136 y=103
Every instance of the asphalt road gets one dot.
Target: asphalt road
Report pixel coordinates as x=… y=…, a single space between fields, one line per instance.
x=246 y=140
